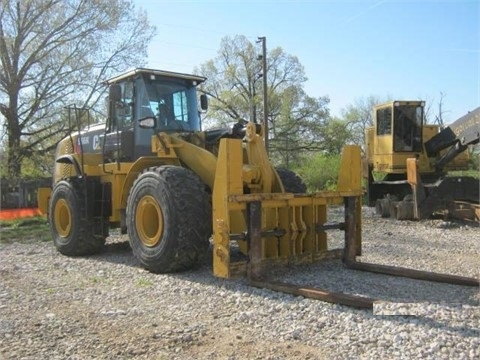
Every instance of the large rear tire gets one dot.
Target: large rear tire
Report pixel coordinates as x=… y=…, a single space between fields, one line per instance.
x=74 y=232
x=292 y=183
x=169 y=219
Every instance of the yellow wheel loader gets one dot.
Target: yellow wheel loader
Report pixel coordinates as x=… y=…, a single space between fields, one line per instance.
x=151 y=171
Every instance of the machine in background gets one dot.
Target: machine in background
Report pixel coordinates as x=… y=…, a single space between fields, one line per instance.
x=413 y=160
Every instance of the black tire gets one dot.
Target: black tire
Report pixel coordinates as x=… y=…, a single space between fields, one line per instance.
x=291 y=181
x=74 y=233
x=169 y=219
x=382 y=207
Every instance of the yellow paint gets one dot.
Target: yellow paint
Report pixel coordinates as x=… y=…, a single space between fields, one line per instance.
x=43 y=198
x=149 y=221
x=412 y=174
x=238 y=172
x=296 y=215
x=202 y=162
x=228 y=181
x=63 y=218
x=380 y=154
x=349 y=175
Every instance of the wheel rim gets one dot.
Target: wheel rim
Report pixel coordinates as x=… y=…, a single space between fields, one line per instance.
x=149 y=221
x=63 y=218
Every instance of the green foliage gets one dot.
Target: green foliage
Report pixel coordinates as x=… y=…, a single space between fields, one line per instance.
x=299 y=125
x=474 y=158
x=472 y=173
x=379 y=175
x=335 y=135
x=33 y=229
x=232 y=85
x=320 y=171
x=295 y=120
x=359 y=116
x=142 y=282
x=37 y=166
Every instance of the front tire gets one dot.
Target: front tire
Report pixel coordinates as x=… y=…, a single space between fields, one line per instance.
x=169 y=219
x=73 y=231
x=292 y=183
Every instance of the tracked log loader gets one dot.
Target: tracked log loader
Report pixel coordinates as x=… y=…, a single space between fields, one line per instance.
x=408 y=162
x=151 y=172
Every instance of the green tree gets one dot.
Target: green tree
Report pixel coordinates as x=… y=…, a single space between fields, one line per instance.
x=359 y=116
x=55 y=53
x=297 y=125
x=320 y=171
x=336 y=135
x=295 y=119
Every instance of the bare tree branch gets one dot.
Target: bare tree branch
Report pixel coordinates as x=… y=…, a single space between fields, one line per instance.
x=48 y=49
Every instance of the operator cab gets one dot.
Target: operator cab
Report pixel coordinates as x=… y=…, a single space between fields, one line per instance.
x=402 y=122
x=143 y=102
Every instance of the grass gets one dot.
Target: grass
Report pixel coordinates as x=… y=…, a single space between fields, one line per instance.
x=380 y=175
x=30 y=230
x=473 y=173
x=144 y=282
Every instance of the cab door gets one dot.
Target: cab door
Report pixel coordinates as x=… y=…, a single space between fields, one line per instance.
x=119 y=138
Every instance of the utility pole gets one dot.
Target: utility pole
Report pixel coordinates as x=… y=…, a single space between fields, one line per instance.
x=263 y=39
x=253 y=107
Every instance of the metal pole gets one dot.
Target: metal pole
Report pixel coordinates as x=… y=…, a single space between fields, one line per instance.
x=254 y=210
x=253 y=108
x=265 y=89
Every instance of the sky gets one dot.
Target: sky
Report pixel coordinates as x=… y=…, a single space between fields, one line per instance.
x=349 y=49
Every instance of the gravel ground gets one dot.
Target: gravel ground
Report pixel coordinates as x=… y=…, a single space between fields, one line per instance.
x=107 y=307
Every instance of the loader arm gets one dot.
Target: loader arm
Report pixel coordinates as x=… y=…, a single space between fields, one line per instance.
x=257 y=173
x=456 y=137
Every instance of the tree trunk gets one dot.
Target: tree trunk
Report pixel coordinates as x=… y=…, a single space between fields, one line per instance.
x=14 y=156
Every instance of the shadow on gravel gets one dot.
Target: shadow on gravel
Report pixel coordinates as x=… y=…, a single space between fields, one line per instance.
x=431 y=301
x=331 y=275
x=334 y=276
x=117 y=247
x=427 y=320
x=118 y=252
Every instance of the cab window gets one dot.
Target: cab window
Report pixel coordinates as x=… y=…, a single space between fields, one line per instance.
x=408 y=123
x=384 y=121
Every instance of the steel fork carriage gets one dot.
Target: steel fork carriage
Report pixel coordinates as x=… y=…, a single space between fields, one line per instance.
x=278 y=229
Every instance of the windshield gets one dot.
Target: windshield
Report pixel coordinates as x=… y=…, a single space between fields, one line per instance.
x=173 y=102
x=408 y=121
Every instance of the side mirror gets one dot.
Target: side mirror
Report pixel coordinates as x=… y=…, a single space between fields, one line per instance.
x=204 y=102
x=147 y=123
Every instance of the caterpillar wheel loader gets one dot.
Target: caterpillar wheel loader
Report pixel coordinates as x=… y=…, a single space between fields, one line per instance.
x=414 y=159
x=151 y=172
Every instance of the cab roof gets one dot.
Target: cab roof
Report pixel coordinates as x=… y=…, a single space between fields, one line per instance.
x=400 y=103
x=131 y=73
